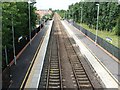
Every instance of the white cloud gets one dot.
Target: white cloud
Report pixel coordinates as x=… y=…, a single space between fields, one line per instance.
x=54 y=4
x=118 y=1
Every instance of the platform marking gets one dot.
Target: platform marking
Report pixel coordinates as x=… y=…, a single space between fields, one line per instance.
x=103 y=74
x=34 y=77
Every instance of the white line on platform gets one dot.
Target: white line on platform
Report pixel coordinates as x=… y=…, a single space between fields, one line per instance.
x=106 y=78
x=34 y=77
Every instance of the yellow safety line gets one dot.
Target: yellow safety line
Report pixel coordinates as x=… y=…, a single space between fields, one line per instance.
x=32 y=62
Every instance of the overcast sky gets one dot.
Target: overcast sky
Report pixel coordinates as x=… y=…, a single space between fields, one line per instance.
x=54 y=4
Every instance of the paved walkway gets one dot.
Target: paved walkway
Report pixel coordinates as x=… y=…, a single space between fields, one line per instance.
x=111 y=65
x=19 y=70
x=35 y=74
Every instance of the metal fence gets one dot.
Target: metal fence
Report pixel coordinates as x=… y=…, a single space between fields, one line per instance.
x=115 y=51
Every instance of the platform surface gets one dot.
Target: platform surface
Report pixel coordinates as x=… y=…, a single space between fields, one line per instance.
x=34 y=77
x=101 y=68
x=24 y=60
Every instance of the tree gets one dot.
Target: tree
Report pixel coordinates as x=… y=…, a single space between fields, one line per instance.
x=108 y=14
x=19 y=11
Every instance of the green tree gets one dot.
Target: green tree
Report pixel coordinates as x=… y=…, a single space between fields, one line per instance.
x=108 y=14
x=19 y=11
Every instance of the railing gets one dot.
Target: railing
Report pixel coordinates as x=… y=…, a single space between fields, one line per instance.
x=115 y=51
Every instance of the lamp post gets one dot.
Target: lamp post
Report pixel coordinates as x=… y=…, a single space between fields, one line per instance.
x=29 y=21
x=97 y=23
x=40 y=23
x=6 y=57
x=13 y=41
x=81 y=15
x=64 y=15
x=69 y=14
x=72 y=14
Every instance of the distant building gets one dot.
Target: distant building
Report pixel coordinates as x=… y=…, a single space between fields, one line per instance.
x=41 y=13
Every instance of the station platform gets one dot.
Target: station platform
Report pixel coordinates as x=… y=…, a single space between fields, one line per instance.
x=24 y=59
x=104 y=65
x=34 y=76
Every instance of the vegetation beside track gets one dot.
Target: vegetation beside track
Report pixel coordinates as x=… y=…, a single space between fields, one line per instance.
x=19 y=12
x=109 y=18
x=103 y=34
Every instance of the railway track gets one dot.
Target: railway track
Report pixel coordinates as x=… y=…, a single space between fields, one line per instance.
x=54 y=68
x=52 y=73
x=82 y=79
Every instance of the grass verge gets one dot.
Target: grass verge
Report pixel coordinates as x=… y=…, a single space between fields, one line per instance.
x=104 y=34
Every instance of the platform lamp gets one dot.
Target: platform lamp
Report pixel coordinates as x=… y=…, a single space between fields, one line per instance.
x=29 y=21
x=72 y=14
x=69 y=14
x=64 y=15
x=13 y=40
x=81 y=14
x=6 y=56
x=97 y=23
